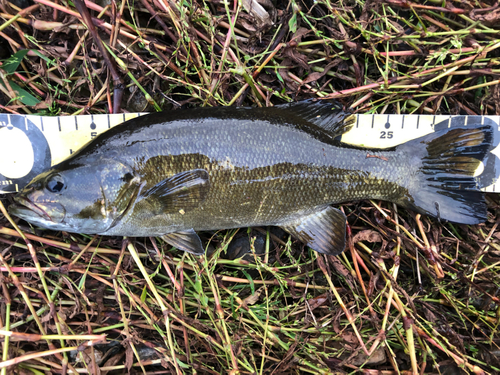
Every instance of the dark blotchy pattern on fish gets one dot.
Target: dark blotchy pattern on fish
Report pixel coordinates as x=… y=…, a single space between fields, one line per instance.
x=218 y=168
x=256 y=178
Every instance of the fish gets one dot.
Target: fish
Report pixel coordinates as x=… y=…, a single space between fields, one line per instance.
x=173 y=174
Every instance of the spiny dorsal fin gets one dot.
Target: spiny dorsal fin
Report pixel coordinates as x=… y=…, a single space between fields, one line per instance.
x=179 y=193
x=186 y=241
x=327 y=115
x=323 y=231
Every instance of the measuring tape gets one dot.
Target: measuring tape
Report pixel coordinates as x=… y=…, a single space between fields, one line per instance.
x=31 y=144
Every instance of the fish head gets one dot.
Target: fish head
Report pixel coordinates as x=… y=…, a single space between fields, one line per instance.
x=81 y=198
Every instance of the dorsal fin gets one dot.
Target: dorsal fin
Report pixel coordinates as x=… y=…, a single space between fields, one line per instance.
x=327 y=115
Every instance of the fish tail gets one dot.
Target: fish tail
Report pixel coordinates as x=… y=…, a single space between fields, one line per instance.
x=445 y=185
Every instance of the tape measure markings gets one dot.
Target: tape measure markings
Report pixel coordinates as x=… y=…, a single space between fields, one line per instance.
x=52 y=139
x=371 y=131
x=411 y=127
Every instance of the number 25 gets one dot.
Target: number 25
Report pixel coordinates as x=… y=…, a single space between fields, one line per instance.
x=385 y=134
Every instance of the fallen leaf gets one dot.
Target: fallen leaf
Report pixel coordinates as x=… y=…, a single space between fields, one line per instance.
x=252 y=299
x=367 y=235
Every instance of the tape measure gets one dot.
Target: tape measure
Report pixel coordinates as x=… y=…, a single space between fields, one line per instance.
x=31 y=144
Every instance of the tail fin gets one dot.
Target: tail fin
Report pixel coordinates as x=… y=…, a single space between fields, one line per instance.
x=445 y=186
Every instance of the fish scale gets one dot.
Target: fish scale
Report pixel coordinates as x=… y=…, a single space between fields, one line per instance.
x=243 y=181
x=172 y=174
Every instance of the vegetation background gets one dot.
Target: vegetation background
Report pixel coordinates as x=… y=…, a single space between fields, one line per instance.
x=409 y=295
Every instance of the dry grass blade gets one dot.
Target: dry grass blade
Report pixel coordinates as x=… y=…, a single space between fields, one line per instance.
x=410 y=296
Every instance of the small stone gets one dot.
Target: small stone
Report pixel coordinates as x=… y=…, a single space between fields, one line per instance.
x=377 y=358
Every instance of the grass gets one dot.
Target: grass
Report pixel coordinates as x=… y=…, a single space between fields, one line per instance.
x=409 y=295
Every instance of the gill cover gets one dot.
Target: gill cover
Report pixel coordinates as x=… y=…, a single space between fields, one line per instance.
x=79 y=198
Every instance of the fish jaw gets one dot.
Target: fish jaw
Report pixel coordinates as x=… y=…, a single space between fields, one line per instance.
x=38 y=213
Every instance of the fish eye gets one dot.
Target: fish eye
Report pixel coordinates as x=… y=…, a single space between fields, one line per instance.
x=55 y=183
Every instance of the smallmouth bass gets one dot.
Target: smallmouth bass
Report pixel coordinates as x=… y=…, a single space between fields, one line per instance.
x=174 y=173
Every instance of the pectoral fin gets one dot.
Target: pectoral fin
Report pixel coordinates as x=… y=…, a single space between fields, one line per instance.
x=186 y=241
x=323 y=231
x=179 y=193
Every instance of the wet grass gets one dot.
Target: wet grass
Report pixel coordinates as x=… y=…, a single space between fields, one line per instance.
x=409 y=295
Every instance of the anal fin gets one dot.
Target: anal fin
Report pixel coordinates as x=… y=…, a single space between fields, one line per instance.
x=323 y=231
x=186 y=241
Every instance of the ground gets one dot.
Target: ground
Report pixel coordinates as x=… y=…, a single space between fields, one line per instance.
x=409 y=295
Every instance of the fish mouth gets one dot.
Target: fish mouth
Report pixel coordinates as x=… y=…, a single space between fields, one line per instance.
x=28 y=210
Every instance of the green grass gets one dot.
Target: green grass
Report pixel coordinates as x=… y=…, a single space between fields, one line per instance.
x=418 y=295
